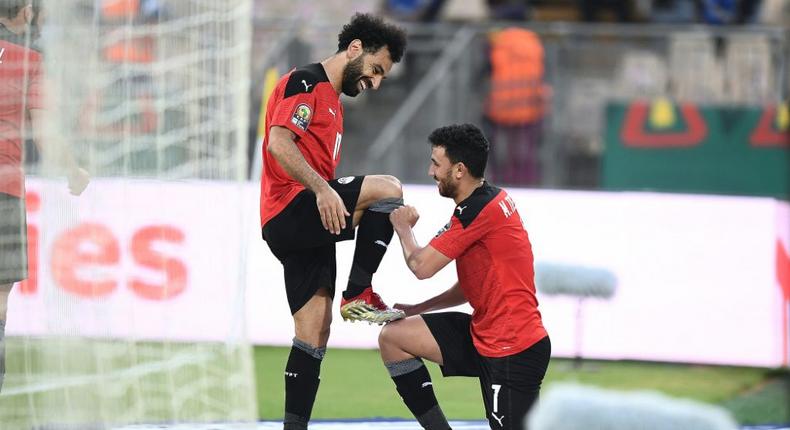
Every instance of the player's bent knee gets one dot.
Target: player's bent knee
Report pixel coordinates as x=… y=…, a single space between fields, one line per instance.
x=393 y=180
x=384 y=187
x=390 y=334
x=384 y=337
x=395 y=188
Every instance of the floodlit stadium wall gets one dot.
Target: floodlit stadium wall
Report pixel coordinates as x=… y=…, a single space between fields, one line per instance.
x=700 y=279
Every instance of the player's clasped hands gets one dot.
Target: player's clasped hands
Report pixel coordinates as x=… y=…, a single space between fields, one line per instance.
x=404 y=216
x=332 y=210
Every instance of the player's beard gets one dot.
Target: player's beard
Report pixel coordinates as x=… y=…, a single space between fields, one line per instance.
x=446 y=186
x=352 y=73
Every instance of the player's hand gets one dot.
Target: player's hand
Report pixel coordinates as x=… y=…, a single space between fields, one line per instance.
x=332 y=210
x=78 y=180
x=409 y=310
x=404 y=216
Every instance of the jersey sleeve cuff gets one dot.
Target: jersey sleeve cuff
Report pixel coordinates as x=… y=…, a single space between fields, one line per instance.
x=290 y=126
x=445 y=250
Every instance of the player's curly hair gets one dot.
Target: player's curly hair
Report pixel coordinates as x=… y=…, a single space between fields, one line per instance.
x=463 y=143
x=374 y=34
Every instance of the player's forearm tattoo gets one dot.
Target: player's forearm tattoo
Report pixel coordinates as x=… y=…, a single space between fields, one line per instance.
x=292 y=160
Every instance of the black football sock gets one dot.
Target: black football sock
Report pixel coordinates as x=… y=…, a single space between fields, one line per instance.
x=301 y=384
x=414 y=385
x=373 y=237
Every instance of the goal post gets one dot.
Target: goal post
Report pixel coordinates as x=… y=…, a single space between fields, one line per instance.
x=133 y=310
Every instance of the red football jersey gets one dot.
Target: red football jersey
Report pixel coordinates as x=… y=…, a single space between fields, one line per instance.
x=495 y=270
x=305 y=103
x=20 y=89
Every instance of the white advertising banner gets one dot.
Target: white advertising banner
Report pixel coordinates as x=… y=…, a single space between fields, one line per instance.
x=703 y=279
x=133 y=259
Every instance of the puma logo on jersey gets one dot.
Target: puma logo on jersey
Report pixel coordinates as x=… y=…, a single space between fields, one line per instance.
x=306 y=85
x=498 y=419
x=460 y=209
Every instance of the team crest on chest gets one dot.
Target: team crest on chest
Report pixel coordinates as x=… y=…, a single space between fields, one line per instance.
x=302 y=115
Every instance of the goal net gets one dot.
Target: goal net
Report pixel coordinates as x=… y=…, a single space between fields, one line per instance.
x=133 y=311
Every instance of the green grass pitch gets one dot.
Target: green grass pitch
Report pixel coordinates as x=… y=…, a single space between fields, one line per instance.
x=74 y=381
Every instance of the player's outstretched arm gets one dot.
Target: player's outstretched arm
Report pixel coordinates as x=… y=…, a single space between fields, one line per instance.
x=454 y=296
x=424 y=262
x=78 y=178
x=330 y=206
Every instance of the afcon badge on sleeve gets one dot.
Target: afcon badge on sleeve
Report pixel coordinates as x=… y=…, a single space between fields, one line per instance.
x=301 y=116
x=445 y=228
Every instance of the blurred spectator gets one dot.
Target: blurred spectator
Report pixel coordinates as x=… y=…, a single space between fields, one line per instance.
x=516 y=106
x=465 y=10
x=152 y=11
x=673 y=11
x=413 y=10
x=727 y=12
x=590 y=9
x=509 y=10
x=145 y=11
x=118 y=14
x=434 y=10
x=775 y=12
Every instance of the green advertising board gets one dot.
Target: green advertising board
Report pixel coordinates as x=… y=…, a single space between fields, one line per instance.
x=664 y=146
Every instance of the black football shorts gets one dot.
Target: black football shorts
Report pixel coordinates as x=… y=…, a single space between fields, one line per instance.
x=510 y=385
x=13 y=239
x=307 y=250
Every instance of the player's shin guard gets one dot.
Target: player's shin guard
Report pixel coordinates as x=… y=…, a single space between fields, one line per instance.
x=301 y=384
x=373 y=238
x=414 y=385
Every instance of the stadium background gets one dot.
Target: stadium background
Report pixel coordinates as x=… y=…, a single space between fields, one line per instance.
x=663 y=160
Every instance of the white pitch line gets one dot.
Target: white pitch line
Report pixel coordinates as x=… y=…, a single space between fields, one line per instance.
x=345 y=425
x=314 y=425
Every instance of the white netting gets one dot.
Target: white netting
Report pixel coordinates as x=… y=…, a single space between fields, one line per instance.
x=159 y=92
x=133 y=312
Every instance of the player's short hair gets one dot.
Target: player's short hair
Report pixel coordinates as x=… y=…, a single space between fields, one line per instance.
x=463 y=143
x=374 y=34
x=10 y=8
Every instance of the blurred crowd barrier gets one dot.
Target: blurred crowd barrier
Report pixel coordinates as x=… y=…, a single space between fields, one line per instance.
x=736 y=76
x=561 y=102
